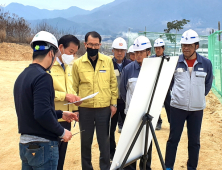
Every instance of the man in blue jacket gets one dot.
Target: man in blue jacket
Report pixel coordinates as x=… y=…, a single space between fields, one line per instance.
x=191 y=83
x=34 y=102
x=119 y=62
x=159 y=50
x=130 y=73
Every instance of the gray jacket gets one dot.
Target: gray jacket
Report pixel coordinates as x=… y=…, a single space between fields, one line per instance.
x=189 y=90
x=128 y=82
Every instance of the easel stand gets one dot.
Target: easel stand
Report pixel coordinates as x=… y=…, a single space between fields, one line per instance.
x=146 y=120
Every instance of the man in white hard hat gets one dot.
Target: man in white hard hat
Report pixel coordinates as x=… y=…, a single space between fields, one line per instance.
x=159 y=47
x=142 y=49
x=131 y=53
x=94 y=72
x=191 y=83
x=34 y=103
x=119 y=49
x=62 y=82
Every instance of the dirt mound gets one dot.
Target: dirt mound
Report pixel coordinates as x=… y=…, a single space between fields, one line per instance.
x=15 y=52
x=213 y=104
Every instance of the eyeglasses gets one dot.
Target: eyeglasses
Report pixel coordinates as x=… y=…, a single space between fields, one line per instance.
x=187 y=45
x=90 y=45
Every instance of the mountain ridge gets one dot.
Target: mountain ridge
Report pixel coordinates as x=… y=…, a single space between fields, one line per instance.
x=120 y=15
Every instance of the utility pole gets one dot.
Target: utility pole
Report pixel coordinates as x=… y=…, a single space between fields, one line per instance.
x=128 y=36
x=219 y=29
x=175 y=42
x=129 y=29
x=145 y=31
x=220 y=56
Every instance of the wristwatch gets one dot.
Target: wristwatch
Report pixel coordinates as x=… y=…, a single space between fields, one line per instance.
x=115 y=105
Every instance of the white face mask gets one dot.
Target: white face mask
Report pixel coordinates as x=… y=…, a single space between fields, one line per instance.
x=67 y=59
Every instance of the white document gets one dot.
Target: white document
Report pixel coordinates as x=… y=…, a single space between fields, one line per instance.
x=85 y=98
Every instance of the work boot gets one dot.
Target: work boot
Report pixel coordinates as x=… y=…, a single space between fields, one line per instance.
x=111 y=157
x=158 y=126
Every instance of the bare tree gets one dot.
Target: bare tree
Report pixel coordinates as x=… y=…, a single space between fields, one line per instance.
x=82 y=49
x=58 y=33
x=16 y=28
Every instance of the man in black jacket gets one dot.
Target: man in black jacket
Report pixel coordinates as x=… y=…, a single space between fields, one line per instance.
x=119 y=61
x=34 y=103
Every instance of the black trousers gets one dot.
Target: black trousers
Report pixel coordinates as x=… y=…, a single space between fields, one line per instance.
x=63 y=147
x=177 y=120
x=120 y=122
x=89 y=120
x=167 y=107
x=114 y=120
x=148 y=163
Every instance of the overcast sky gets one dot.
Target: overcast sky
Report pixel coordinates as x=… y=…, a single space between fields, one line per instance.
x=59 y=4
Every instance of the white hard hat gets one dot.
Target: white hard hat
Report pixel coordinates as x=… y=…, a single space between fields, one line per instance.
x=130 y=50
x=159 y=42
x=119 y=43
x=189 y=37
x=46 y=37
x=141 y=43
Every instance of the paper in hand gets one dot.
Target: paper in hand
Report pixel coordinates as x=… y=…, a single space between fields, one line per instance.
x=85 y=98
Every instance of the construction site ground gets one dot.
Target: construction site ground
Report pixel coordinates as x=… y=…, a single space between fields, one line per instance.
x=14 y=58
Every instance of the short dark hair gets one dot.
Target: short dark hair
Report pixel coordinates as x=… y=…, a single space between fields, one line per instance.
x=94 y=34
x=67 y=39
x=148 y=49
x=41 y=53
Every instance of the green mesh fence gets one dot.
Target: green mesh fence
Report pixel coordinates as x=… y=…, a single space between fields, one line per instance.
x=214 y=54
x=172 y=43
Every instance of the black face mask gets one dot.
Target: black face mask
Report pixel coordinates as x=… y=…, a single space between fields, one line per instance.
x=92 y=52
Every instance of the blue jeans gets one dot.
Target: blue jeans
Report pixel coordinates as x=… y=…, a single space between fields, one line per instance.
x=43 y=158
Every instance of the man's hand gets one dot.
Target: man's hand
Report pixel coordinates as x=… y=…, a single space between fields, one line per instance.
x=69 y=116
x=73 y=98
x=67 y=136
x=77 y=113
x=113 y=110
x=78 y=99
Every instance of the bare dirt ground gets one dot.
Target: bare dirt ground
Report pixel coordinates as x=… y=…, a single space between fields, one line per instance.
x=211 y=134
x=15 y=52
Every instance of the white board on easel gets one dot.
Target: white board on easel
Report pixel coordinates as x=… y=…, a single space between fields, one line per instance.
x=139 y=106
